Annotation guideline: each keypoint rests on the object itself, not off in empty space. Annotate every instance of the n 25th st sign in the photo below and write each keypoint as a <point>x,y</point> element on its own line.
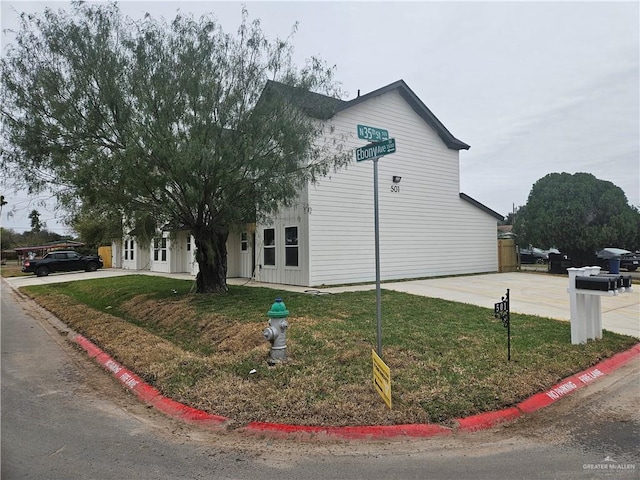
<point>374,150</point>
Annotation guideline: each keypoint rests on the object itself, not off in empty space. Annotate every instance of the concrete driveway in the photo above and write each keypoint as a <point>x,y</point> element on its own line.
<point>534,294</point>
<point>530,293</point>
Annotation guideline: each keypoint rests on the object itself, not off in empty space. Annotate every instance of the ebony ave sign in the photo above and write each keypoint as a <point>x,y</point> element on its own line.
<point>375,150</point>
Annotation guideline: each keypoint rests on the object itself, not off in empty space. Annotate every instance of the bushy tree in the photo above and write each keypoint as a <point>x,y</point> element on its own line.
<point>96,226</point>
<point>8,238</point>
<point>164,121</point>
<point>577,214</point>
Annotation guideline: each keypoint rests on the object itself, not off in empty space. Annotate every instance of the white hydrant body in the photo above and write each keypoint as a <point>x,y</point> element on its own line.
<point>276,332</point>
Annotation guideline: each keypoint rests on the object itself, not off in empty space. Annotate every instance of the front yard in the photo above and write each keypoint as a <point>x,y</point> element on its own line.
<point>447,360</point>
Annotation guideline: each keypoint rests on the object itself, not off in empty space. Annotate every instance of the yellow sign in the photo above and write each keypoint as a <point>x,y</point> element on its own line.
<point>381,378</point>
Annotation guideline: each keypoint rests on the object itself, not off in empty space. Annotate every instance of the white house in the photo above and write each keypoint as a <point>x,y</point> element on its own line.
<point>427,227</point>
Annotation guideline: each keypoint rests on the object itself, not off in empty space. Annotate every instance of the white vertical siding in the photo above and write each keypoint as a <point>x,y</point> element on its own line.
<point>233,255</point>
<point>296,216</point>
<point>140,260</point>
<point>116,254</point>
<point>181,252</point>
<point>425,228</point>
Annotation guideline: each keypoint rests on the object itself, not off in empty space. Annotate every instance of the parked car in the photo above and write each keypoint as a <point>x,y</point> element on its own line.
<point>628,260</point>
<point>62,261</point>
<point>533,255</point>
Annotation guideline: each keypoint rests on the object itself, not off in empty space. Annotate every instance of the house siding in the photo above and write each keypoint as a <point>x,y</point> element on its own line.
<point>424,227</point>
<point>140,260</point>
<point>180,255</point>
<point>238,265</point>
<point>295,216</point>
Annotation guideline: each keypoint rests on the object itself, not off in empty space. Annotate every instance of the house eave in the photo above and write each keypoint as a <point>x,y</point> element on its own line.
<point>418,106</point>
<point>482,207</point>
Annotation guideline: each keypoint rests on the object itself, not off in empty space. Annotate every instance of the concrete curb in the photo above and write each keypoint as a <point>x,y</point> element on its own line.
<point>152,396</point>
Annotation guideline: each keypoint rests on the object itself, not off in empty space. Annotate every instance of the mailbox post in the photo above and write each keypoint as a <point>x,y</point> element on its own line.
<point>586,287</point>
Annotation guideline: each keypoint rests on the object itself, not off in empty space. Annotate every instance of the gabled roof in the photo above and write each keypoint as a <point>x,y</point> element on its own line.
<point>420,108</point>
<point>324,107</point>
<point>315,105</point>
<point>482,207</point>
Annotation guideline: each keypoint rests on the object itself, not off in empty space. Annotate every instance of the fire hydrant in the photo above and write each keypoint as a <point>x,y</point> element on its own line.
<point>276,332</point>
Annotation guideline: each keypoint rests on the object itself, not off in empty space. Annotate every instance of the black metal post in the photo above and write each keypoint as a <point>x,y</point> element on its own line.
<point>502,311</point>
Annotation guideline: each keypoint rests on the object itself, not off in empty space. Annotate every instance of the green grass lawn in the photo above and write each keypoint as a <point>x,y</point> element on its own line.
<point>447,359</point>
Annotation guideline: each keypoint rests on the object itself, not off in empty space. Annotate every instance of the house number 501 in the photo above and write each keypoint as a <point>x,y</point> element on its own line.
<point>395,188</point>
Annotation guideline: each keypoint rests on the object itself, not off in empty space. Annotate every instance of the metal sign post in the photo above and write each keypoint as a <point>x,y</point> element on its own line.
<point>501,311</point>
<point>373,151</point>
<point>377,241</point>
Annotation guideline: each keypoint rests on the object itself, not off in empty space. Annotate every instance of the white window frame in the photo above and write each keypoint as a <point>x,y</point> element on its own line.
<point>295,246</point>
<point>160,249</point>
<point>128,249</point>
<point>271,247</point>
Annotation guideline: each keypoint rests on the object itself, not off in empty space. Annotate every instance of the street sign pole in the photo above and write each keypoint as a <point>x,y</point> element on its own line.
<point>381,145</point>
<point>377,241</point>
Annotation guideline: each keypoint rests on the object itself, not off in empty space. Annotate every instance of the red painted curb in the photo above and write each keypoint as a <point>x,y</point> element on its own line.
<point>487,420</point>
<point>620,359</point>
<point>185,412</point>
<point>144,391</point>
<point>473,423</point>
<point>90,348</point>
<point>577,381</point>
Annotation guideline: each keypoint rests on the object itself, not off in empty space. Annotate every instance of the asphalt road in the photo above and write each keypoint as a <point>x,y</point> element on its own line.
<point>65,418</point>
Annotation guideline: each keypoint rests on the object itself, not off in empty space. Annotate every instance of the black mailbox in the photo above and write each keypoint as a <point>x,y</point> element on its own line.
<point>622,280</point>
<point>597,282</point>
<point>616,278</point>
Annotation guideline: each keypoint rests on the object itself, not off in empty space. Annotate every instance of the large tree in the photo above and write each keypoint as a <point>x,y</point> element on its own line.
<point>577,214</point>
<point>95,226</point>
<point>168,122</point>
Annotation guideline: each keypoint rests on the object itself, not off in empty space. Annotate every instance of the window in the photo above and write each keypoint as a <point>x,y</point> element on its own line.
<point>128,249</point>
<point>160,249</point>
<point>269,246</point>
<point>244,242</point>
<point>188,243</point>
<point>291,246</point>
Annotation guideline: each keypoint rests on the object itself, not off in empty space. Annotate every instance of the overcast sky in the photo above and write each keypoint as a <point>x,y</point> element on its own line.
<point>533,87</point>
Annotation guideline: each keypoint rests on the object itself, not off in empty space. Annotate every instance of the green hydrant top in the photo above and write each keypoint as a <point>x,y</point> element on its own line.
<point>278,309</point>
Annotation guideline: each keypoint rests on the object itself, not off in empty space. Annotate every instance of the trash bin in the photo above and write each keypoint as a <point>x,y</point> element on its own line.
<point>614,265</point>
<point>558,263</point>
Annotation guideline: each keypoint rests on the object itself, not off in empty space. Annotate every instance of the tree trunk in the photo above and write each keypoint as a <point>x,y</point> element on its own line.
<point>211,255</point>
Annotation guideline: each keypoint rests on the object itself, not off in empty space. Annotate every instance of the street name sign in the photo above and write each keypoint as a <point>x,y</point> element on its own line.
<point>374,150</point>
<point>372,133</point>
